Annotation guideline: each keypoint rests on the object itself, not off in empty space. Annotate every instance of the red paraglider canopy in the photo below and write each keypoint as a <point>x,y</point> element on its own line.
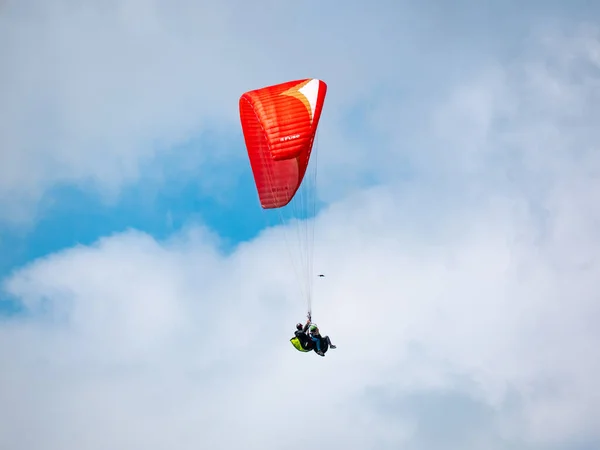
<point>279,124</point>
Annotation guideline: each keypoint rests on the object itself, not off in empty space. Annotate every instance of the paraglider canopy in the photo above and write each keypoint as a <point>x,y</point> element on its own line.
<point>279,124</point>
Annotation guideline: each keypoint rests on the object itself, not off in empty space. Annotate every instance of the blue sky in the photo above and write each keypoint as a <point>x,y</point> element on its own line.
<point>457,226</point>
<point>74,216</point>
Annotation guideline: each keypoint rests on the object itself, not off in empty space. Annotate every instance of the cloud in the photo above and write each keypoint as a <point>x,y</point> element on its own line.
<point>462,300</point>
<point>98,94</point>
<point>150,344</point>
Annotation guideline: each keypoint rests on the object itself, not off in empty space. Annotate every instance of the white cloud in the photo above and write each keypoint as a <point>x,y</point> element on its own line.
<point>94,92</point>
<point>145,343</point>
<point>192,346</point>
<point>470,291</point>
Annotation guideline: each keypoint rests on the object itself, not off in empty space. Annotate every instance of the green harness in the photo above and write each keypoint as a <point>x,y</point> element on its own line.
<point>296,343</point>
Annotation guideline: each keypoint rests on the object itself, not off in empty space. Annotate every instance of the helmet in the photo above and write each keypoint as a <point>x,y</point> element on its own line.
<point>313,328</point>
<point>299,326</point>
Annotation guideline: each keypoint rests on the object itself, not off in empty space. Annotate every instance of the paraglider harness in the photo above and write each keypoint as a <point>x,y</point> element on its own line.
<point>310,344</point>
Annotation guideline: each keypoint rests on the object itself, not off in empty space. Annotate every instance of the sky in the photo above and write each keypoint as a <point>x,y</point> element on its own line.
<point>147,302</point>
